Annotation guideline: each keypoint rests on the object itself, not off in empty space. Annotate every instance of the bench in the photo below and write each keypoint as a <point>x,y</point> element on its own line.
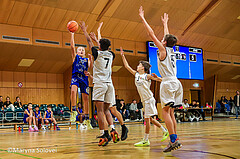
<point>14,124</point>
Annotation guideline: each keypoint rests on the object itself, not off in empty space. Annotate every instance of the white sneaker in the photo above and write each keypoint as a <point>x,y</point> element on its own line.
<point>81,127</point>
<point>191,119</point>
<point>127,120</point>
<point>141,120</point>
<point>197,119</point>
<point>136,119</point>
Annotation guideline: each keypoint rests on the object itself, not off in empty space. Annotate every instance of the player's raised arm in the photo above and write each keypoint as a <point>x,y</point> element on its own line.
<point>90,61</point>
<point>165,23</point>
<point>73,46</point>
<point>162,50</point>
<point>94,38</point>
<point>99,31</point>
<point>126,65</point>
<point>154,77</point>
<point>84,29</point>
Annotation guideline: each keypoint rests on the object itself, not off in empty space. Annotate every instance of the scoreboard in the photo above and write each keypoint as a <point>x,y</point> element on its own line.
<point>189,61</point>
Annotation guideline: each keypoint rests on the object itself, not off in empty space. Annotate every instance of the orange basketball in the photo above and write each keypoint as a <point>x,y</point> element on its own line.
<point>72,26</point>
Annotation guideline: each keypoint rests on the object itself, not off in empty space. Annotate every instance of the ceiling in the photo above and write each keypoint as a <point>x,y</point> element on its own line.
<point>217,31</point>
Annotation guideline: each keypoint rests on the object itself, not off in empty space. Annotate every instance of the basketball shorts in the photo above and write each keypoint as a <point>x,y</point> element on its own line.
<point>171,92</point>
<point>80,84</point>
<point>150,108</point>
<point>104,92</point>
<point>77,117</point>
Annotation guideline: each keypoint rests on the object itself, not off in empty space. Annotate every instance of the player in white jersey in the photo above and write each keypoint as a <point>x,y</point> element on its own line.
<point>112,108</point>
<point>171,92</point>
<point>103,90</point>
<point>143,83</point>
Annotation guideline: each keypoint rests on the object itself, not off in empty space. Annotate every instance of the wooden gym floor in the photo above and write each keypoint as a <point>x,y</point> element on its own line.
<point>216,139</point>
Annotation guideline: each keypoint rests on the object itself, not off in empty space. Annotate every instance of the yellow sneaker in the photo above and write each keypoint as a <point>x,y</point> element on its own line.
<point>88,123</point>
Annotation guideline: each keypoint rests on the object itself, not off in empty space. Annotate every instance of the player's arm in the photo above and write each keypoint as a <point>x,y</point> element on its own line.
<point>51,115</point>
<point>90,61</point>
<point>88,74</point>
<point>45,115</point>
<point>99,31</point>
<point>84,29</point>
<point>94,38</point>
<point>165,23</point>
<point>150,32</point>
<point>73,46</point>
<point>154,77</point>
<point>126,65</point>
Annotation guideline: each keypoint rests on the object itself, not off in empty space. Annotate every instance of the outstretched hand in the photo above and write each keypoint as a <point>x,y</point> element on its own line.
<point>83,25</point>
<point>154,75</point>
<point>121,50</point>
<point>87,73</point>
<point>141,12</point>
<point>164,18</point>
<point>93,36</point>
<point>100,25</point>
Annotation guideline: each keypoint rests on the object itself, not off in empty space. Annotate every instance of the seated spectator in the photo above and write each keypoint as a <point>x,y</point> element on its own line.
<point>185,103</point>
<point>18,103</point>
<point>122,109</point>
<point>140,107</point>
<point>134,110</point>
<point>38,117</point>
<point>1,103</point>
<point>29,118</point>
<point>8,104</point>
<point>231,104</point>
<point>237,103</point>
<point>48,117</point>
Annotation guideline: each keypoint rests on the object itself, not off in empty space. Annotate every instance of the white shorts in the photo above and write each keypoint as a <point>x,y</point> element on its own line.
<point>104,92</point>
<point>171,92</point>
<point>150,107</point>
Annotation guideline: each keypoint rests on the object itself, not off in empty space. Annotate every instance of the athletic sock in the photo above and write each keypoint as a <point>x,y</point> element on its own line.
<point>87,116</point>
<point>112,126</point>
<point>146,136</point>
<point>163,129</point>
<point>123,126</point>
<point>106,133</point>
<point>101,132</point>
<point>173,137</point>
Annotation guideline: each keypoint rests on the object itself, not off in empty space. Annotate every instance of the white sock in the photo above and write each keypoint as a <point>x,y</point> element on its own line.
<point>146,136</point>
<point>35,126</point>
<point>101,132</point>
<point>163,129</point>
<point>112,126</point>
<point>30,126</point>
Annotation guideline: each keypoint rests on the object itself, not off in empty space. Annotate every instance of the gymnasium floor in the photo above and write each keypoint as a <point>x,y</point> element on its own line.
<point>214,140</point>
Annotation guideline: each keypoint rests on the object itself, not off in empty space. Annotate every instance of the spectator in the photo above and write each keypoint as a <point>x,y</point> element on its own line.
<point>117,101</point>
<point>8,104</point>
<point>122,109</point>
<point>237,103</point>
<point>134,110</point>
<point>231,104</point>
<point>18,103</point>
<point>140,107</point>
<point>185,103</point>
<point>1,102</point>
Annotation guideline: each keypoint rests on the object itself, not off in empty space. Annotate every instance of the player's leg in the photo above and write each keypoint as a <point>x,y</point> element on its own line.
<point>85,97</point>
<point>29,121</point>
<point>164,130</point>
<point>145,141</point>
<point>173,120</point>
<point>74,97</point>
<point>109,118</point>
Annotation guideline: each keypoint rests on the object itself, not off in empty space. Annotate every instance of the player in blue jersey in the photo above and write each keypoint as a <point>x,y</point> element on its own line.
<point>79,80</point>
<point>29,118</point>
<point>38,116</point>
<point>48,117</point>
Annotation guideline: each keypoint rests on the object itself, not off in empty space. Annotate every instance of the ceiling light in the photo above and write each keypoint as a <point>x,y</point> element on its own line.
<point>236,77</point>
<point>26,62</point>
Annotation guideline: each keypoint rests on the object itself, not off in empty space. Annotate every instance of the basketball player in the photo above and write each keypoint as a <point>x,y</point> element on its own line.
<point>103,90</point>
<point>112,108</point>
<point>29,118</point>
<point>79,80</point>
<point>143,83</point>
<point>48,117</point>
<point>171,92</point>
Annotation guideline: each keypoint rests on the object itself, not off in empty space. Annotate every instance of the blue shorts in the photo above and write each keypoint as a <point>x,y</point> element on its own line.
<point>24,120</point>
<point>77,119</point>
<point>48,120</point>
<point>80,84</point>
